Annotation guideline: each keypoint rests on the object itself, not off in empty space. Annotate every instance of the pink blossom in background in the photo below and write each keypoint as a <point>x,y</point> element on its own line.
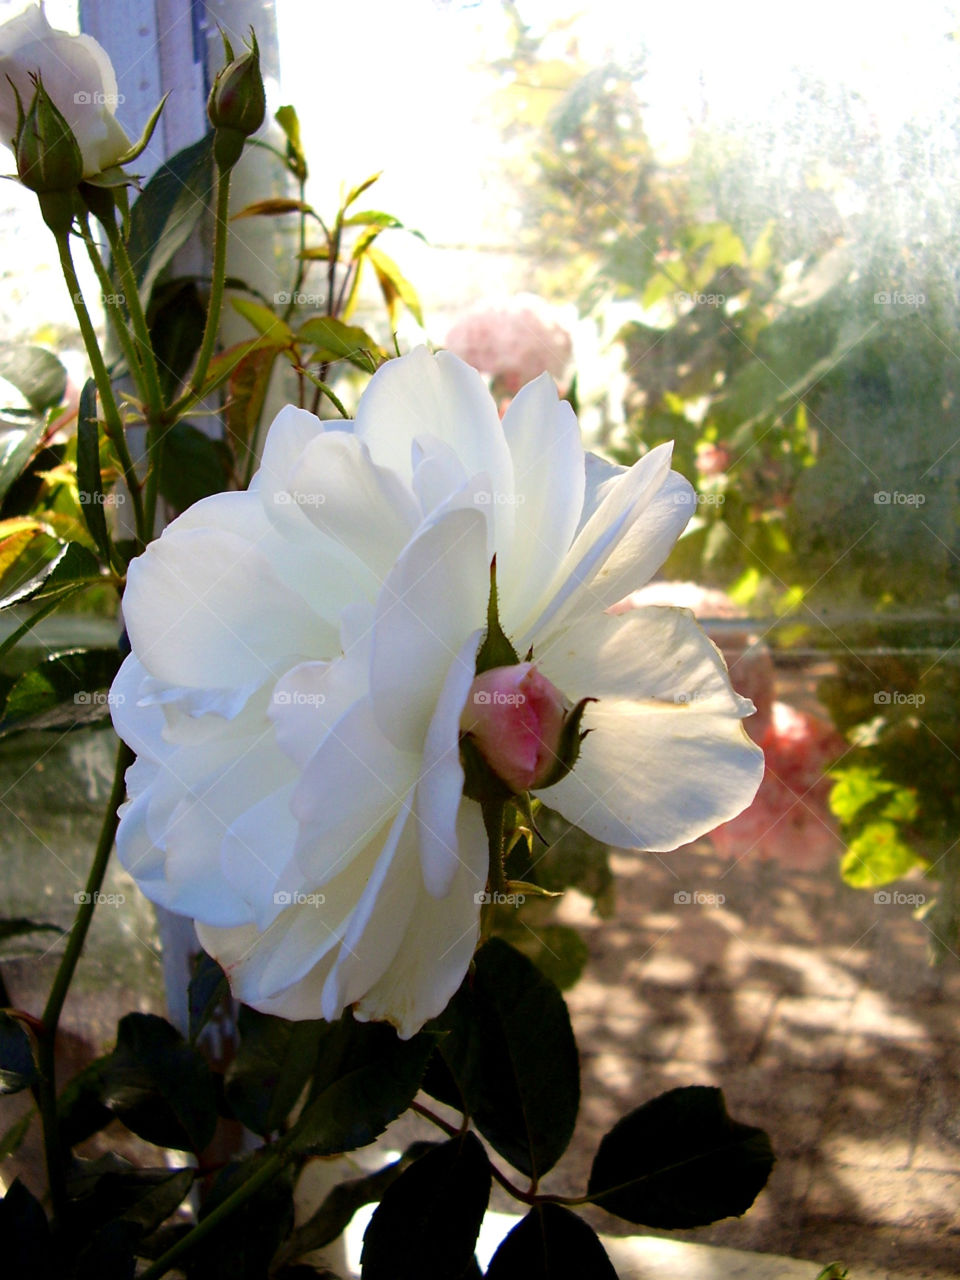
<point>790,819</point>
<point>712,459</point>
<point>513,342</point>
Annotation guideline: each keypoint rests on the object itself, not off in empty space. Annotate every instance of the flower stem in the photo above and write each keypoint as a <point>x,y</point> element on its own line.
<point>114,310</point>
<point>271,1166</point>
<point>152,393</point>
<point>46,1045</point>
<point>111,413</point>
<point>212,323</point>
<point>527,1197</point>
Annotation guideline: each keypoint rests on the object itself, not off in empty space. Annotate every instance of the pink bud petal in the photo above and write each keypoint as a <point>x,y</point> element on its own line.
<point>515,715</point>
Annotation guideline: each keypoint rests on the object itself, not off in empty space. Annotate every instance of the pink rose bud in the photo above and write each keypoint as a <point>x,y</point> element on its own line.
<point>515,717</point>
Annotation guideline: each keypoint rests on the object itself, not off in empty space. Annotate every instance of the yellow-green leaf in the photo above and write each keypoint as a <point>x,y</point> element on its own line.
<point>271,208</point>
<point>395,287</point>
<point>276,331</point>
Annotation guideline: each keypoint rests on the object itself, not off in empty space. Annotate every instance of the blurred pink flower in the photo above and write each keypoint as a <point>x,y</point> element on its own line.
<point>513,342</point>
<point>790,819</point>
<point>712,459</point>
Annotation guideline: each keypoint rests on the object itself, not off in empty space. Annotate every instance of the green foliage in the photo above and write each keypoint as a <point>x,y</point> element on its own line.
<point>426,1225</point>
<point>551,1243</point>
<point>680,1161</point>
<point>508,1011</point>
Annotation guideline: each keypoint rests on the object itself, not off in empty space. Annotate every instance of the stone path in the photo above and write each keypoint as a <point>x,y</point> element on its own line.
<point>815,1010</point>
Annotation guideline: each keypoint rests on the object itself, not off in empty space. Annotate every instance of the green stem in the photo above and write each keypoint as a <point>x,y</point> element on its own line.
<point>152,392</point>
<point>212,323</point>
<point>111,413</point>
<point>114,310</point>
<point>301,261</point>
<point>46,1046</point>
<point>271,1166</point>
<point>527,1197</point>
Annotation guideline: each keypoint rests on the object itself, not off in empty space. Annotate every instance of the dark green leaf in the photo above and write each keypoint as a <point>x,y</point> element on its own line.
<point>511,1050</point>
<point>208,988</point>
<point>17,1067</point>
<point>36,373</point>
<point>80,1110</point>
<point>551,1243</point>
<point>193,466</point>
<point>176,318</point>
<point>275,1059</point>
<point>25,1234</point>
<point>17,447</point>
<point>112,1250</point>
<point>243,1250</point>
<point>64,691</point>
<point>558,950</point>
<point>680,1161</point>
<point>427,1223</point>
<point>339,1206</point>
<point>74,565</point>
<point>89,481</point>
<point>165,214</point>
<point>365,1077</point>
<point>158,1086</point>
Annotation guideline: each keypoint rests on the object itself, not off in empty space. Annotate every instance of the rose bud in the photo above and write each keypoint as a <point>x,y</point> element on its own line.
<point>48,157</point>
<point>515,717</point>
<point>237,103</point>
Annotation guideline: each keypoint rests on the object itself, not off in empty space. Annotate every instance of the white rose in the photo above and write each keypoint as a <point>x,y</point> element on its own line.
<point>78,76</point>
<point>303,654</point>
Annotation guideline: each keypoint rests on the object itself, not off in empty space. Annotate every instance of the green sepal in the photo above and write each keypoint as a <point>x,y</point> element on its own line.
<point>496,650</point>
<point>571,740</point>
<point>144,140</point>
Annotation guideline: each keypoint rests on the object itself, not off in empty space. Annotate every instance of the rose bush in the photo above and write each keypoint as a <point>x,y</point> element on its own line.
<point>76,73</point>
<point>303,654</point>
